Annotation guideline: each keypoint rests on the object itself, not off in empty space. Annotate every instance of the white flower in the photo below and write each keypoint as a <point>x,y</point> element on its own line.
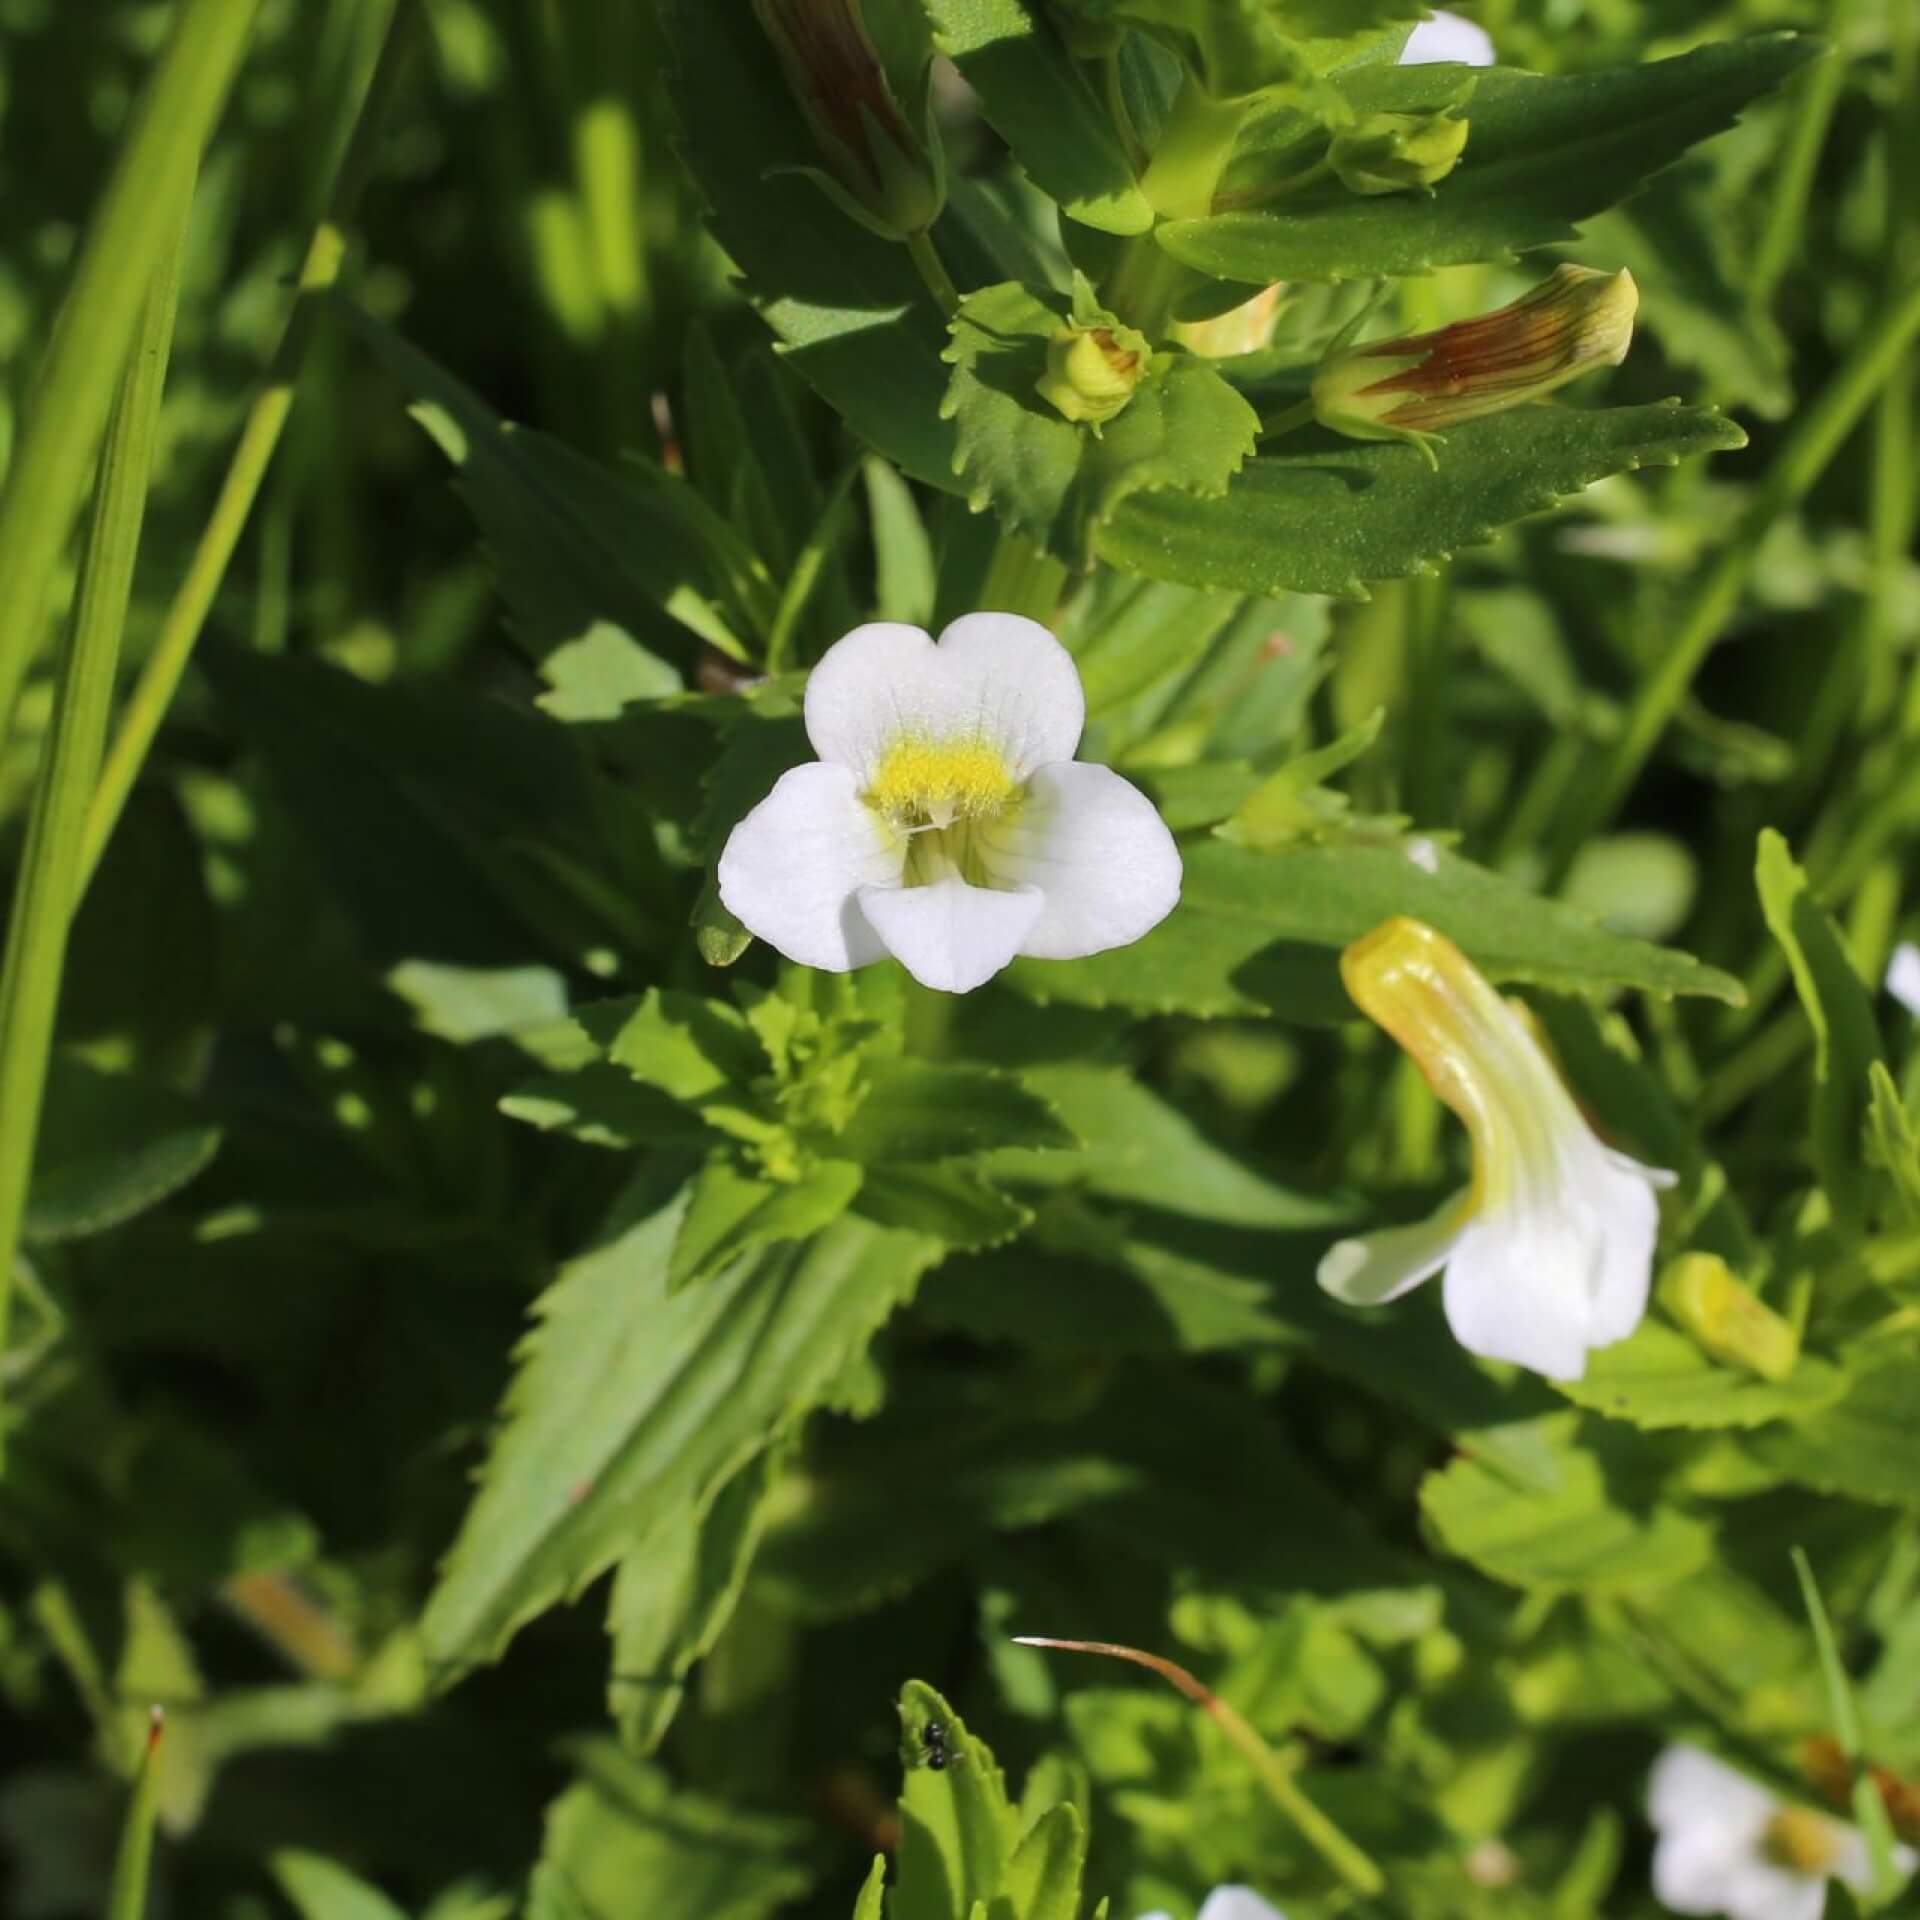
<point>1903,976</point>
<point>1447,37</point>
<point>1232,1903</point>
<point>946,821</point>
<point>1550,1250</point>
<point>1726,1845</point>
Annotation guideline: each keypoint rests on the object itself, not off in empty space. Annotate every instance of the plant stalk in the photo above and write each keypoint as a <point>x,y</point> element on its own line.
<point>1347,1860</point>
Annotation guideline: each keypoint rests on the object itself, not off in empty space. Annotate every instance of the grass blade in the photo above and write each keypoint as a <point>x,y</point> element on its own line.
<point>48,887</point>
<point>74,390</point>
<point>128,1898</point>
<point>259,438</point>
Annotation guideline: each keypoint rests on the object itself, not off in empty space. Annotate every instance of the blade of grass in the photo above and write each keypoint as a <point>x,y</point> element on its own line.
<point>1816,437</point>
<point>259,437</point>
<point>1347,1860</point>
<point>48,888</point>
<point>74,389</point>
<point>1819,89</point>
<point>127,1899</point>
<point>1868,1808</point>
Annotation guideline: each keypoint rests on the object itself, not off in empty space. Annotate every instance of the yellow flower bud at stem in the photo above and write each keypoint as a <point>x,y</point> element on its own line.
<point>1092,371</point>
<point>1574,321</point>
<point>1703,1294</point>
<point>1397,152</point>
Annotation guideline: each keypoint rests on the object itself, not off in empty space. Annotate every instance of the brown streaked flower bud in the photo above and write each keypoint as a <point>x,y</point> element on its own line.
<point>1575,320</point>
<point>884,163</point>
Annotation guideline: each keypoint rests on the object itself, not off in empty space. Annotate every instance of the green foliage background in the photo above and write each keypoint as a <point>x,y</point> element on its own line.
<point>526,1381</point>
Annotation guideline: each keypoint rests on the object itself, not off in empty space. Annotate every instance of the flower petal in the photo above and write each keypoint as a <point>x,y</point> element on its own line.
<point>1623,1196</point>
<point>1448,37</point>
<point>791,869</point>
<point>1238,1903</point>
<point>1691,1788</point>
<point>1097,849</point>
<point>949,935</point>
<point>994,677</point>
<point>1373,1268</point>
<point>1692,1867</point>
<point>1521,1282</point>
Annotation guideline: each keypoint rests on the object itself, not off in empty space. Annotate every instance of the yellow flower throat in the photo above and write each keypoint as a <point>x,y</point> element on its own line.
<point>933,783</point>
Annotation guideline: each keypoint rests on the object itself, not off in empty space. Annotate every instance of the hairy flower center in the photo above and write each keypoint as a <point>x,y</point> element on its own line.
<point>933,783</point>
<point>1800,1841</point>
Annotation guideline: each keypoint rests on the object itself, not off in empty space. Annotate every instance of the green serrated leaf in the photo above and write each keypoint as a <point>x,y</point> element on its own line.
<point>624,1839</point>
<point>1325,515</point>
<point>1659,1378</point>
<point>951,1203</point>
<point>1184,428</point>
<point>1044,1874</point>
<point>917,1110</point>
<point>1039,102</point>
<point>1531,1504</point>
<point>1840,1012</point>
<point>1543,153</point>
<point>631,1401</point>
<point>1865,1443</point>
<point>321,1889</point>
<point>1260,932</point>
<point>109,1147</point>
<point>731,1211</point>
<point>956,1828</point>
<point>673,1596</point>
<point>585,554</point>
<point>871,1904</point>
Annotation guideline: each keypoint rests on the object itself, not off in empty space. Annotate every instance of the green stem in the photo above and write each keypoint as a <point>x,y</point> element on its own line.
<point>49,885</point>
<point>1816,437</point>
<point>1184,174</point>
<point>1347,1860</point>
<point>160,678</point>
<point>1787,208</point>
<point>1300,414</point>
<point>127,1895</point>
<point>74,389</point>
<point>933,271</point>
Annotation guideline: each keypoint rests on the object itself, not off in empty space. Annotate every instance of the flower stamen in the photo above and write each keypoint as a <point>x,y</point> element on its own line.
<point>933,783</point>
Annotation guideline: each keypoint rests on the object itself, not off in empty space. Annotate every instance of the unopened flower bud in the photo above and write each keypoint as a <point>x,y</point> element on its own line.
<point>1702,1293</point>
<point>1575,320</point>
<point>881,167</point>
<point>1092,371</point>
<point>1397,152</point>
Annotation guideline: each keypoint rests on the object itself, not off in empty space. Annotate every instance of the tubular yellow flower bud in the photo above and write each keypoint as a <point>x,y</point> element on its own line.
<point>1575,320</point>
<point>1397,152</point>
<point>1703,1295</point>
<point>881,169</point>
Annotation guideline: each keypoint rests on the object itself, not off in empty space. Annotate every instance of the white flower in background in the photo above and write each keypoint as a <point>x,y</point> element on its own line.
<point>946,821</point>
<point>1549,1251</point>
<point>1726,1845</point>
<point>1447,37</point>
<point>1903,976</point>
<point>1232,1903</point>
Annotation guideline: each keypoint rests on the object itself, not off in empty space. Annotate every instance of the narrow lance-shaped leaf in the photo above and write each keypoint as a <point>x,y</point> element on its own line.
<point>1543,153</point>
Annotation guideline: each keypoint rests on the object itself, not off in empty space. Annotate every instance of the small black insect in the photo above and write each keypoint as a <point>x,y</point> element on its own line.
<point>933,1737</point>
